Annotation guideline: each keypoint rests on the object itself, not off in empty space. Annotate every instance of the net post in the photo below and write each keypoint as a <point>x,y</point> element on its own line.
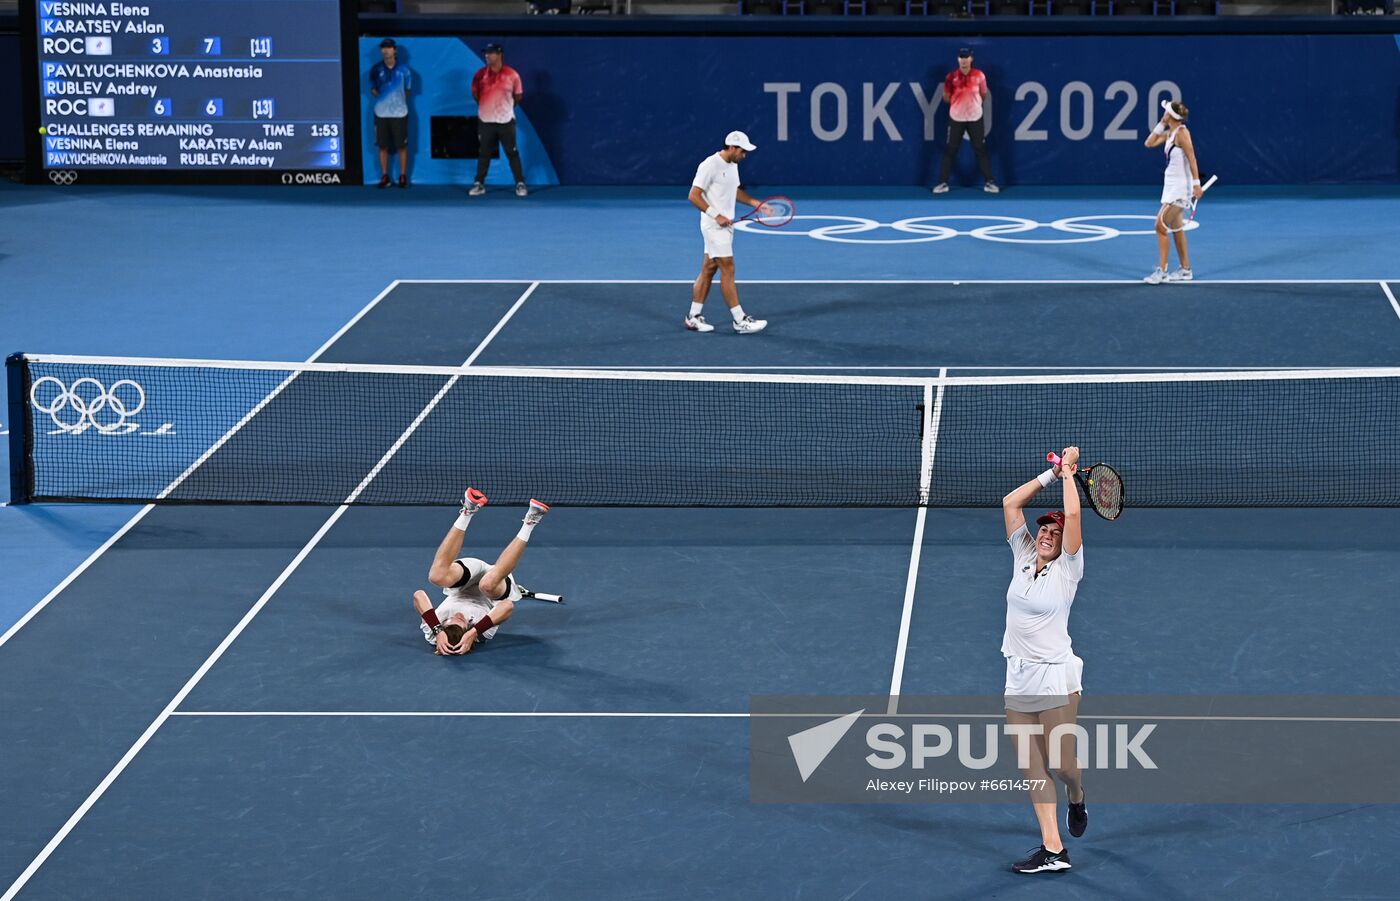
<point>21,472</point>
<point>926,447</point>
<point>933,413</point>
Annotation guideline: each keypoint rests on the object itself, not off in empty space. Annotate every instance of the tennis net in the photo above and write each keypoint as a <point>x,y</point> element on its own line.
<point>204,431</point>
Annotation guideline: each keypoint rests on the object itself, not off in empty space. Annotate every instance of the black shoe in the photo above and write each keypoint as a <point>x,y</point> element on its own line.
<point>403,181</point>
<point>384,181</point>
<point>1042,861</point>
<point>1077,818</point>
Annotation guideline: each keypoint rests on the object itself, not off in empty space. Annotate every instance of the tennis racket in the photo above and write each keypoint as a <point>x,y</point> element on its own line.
<point>540,595</point>
<point>774,212</point>
<point>1188,217</point>
<point>1102,485</point>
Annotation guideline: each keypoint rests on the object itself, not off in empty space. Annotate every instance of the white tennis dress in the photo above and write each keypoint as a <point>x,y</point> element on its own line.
<point>1041,666</point>
<point>1176,180</point>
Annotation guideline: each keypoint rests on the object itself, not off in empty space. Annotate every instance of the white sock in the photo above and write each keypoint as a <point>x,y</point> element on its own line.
<point>695,309</point>
<point>525,530</point>
<point>737,312</point>
<point>463,520</point>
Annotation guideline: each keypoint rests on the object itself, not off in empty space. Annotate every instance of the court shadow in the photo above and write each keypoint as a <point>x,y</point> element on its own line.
<point>515,653</point>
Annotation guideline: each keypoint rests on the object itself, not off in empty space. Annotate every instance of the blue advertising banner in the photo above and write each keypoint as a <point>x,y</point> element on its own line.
<point>636,110</point>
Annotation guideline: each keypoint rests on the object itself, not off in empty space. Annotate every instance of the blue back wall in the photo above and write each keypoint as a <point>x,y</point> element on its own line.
<point>1267,109</point>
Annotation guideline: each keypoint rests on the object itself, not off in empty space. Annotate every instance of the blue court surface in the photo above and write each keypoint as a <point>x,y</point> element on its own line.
<point>236,702</point>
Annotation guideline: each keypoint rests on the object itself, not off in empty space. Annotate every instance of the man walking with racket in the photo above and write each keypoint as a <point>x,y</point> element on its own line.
<point>1181,188</point>
<point>479,596</point>
<point>1042,672</point>
<point>714,192</point>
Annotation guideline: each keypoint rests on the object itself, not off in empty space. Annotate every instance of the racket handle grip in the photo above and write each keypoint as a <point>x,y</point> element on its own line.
<point>1053,458</point>
<point>1209,181</point>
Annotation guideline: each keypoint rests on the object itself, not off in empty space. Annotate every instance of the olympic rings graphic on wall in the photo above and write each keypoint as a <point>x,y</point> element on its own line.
<point>1003,229</point>
<point>88,404</point>
<point>62,176</point>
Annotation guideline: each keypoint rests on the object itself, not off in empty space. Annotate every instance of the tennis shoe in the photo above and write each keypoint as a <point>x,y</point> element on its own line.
<point>991,188</point>
<point>1077,818</point>
<point>1179,275</point>
<point>1158,276</point>
<point>521,190</point>
<point>403,181</point>
<point>698,324</point>
<point>1043,861</point>
<point>941,188</point>
<point>536,512</point>
<point>384,181</point>
<point>477,190</point>
<point>749,325</point>
<point>472,501</point>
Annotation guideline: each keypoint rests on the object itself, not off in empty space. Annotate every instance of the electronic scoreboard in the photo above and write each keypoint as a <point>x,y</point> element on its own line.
<point>182,91</point>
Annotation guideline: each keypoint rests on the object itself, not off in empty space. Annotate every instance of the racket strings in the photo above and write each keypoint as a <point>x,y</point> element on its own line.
<point>1106,491</point>
<point>775,212</point>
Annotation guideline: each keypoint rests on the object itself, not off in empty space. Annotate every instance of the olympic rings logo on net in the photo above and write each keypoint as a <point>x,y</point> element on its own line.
<point>89,404</point>
<point>923,229</point>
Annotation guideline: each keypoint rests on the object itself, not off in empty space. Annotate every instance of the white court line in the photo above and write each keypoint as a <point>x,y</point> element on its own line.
<point>155,725</point>
<point>685,368</point>
<point>933,415</point>
<point>1391,297</point>
<point>78,571</point>
<point>141,514</point>
<point>218,652</point>
<point>658,714</point>
<point>437,398</point>
<point>888,281</point>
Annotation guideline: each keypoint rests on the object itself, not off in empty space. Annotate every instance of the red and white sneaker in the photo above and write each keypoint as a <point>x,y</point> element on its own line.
<point>536,512</point>
<point>472,501</point>
<point>698,324</point>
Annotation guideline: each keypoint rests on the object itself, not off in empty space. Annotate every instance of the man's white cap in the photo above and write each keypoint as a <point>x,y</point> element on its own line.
<point>1167,108</point>
<point>738,139</point>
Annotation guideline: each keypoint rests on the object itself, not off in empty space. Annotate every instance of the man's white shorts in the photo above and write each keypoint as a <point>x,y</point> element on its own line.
<point>719,242</point>
<point>1032,687</point>
<point>472,608</point>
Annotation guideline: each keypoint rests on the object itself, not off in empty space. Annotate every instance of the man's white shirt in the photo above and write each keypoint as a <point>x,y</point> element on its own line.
<point>719,180</point>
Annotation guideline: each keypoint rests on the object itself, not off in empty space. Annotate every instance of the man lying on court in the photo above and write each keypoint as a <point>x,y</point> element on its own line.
<point>479,596</point>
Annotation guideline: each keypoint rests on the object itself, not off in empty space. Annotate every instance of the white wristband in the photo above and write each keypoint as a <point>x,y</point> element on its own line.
<point>1160,129</point>
<point>710,211</point>
<point>1046,478</point>
<point>1195,181</point>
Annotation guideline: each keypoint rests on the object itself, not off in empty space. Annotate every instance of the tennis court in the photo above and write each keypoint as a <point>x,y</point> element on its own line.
<point>248,710</point>
<point>279,281</point>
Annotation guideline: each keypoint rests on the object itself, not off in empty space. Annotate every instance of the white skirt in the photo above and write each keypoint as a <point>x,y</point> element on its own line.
<point>1032,687</point>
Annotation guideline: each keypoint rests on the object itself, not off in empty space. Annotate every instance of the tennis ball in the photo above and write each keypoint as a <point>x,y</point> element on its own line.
<point>43,130</point>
